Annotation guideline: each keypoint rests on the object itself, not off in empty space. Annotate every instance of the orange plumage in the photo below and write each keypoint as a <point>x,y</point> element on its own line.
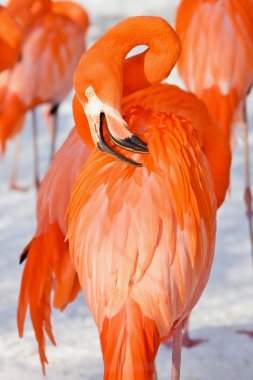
<point>10,40</point>
<point>217,64</point>
<point>154,229</point>
<point>142,238</point>
<point>47,254</point>
<point>217,54</point>
<point>52,47</point>
<point>136,234</point>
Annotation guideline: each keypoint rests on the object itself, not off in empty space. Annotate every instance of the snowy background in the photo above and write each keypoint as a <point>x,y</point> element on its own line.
<point>226,306</point>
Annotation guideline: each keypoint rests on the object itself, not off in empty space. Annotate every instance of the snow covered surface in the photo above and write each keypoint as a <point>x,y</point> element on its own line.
<point>227,303</point>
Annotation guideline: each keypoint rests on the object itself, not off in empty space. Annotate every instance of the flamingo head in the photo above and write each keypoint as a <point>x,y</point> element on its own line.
<point>102,116</point>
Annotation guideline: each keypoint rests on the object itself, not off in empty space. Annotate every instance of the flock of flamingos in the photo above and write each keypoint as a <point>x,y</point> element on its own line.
<point>127,209</point>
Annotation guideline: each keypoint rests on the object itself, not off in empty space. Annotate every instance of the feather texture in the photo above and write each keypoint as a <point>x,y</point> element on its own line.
<point>136,236</point>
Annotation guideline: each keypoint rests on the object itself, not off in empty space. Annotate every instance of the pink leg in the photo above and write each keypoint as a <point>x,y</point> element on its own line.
<point>35,151</point>
<point>54,116</point>
<point>186,340</point>
<point>176,353</point>
<point>246,332</point>
<point>190,343</point>
<point>13,178</point>
<point>247,192</point>
<point>247,195</point>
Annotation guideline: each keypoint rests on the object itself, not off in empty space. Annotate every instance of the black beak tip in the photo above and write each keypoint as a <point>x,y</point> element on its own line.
<point>23,257</point>
<point>136,144</point>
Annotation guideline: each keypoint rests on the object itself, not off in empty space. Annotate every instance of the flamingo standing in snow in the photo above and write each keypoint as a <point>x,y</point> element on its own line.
<point>51,50</point>
<point>10,40</point>
<point>168,250</point>
<point>47,255</point>
<point>216,63</point>
<point>141,235</point>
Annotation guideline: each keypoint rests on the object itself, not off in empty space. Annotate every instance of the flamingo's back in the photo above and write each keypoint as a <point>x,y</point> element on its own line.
<point>168,98</point>
<point>216,61</point>
<point>155,231</point>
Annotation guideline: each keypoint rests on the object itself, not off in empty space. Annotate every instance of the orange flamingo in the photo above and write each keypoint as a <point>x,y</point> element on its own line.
<point>154,221</point>
<point>160,98</point>
<point>223,87</point>
<point>217,64</point>
<point>10,40</point>
<point>51,50</point>
<point>48,244</point>
<point>47,255</point>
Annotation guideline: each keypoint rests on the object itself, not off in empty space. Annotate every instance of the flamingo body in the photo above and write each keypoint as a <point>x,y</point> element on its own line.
<point>52,207</point>
<point>141,268</point>
<point>155,229</point>
<point>217,54</point>
<point>50,53</point>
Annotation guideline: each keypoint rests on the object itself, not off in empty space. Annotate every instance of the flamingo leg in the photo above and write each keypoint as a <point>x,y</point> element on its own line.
<point>176,353</point>
<point>247,195</point>
<point>54,116</point>
<point>14,171</point>
<point>187,341</point>
<point>35,150</point>
<point>247,191</point>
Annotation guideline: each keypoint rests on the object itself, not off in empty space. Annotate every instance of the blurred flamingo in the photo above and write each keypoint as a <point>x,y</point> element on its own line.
<point>216,63</point>
<point>10,40</point>
<point>51,50</point>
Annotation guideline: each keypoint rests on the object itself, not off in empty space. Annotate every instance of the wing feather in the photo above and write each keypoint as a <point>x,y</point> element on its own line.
<point>142,236</point>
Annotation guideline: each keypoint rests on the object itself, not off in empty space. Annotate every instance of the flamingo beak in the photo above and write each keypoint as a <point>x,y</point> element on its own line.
<point>103,117</point>
<point>131,143</point>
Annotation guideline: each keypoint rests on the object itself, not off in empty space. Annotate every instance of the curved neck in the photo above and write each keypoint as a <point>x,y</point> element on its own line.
<point>106,68</point>
<point>154,64</point>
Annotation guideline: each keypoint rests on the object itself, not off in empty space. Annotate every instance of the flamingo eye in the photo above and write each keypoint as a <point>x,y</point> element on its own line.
<point>89,92</point>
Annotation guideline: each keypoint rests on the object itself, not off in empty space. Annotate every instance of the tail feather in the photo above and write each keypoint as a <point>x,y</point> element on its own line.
<point>67,287</point>
<point>129,343</point>
<point>48,261</point>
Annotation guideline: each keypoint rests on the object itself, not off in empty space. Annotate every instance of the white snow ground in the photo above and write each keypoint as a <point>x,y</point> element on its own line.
<point>227,303</point>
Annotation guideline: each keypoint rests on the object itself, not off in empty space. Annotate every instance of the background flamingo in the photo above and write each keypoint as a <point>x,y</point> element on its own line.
<point>217,64</point>
<point>56,41</point>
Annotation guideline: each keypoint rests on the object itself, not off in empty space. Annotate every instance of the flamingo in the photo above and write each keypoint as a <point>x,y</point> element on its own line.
<point>162,105</point>
<point>47,255</point>
<point>10,40</point>
<point>51,50</point>
<point>217,64</point>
